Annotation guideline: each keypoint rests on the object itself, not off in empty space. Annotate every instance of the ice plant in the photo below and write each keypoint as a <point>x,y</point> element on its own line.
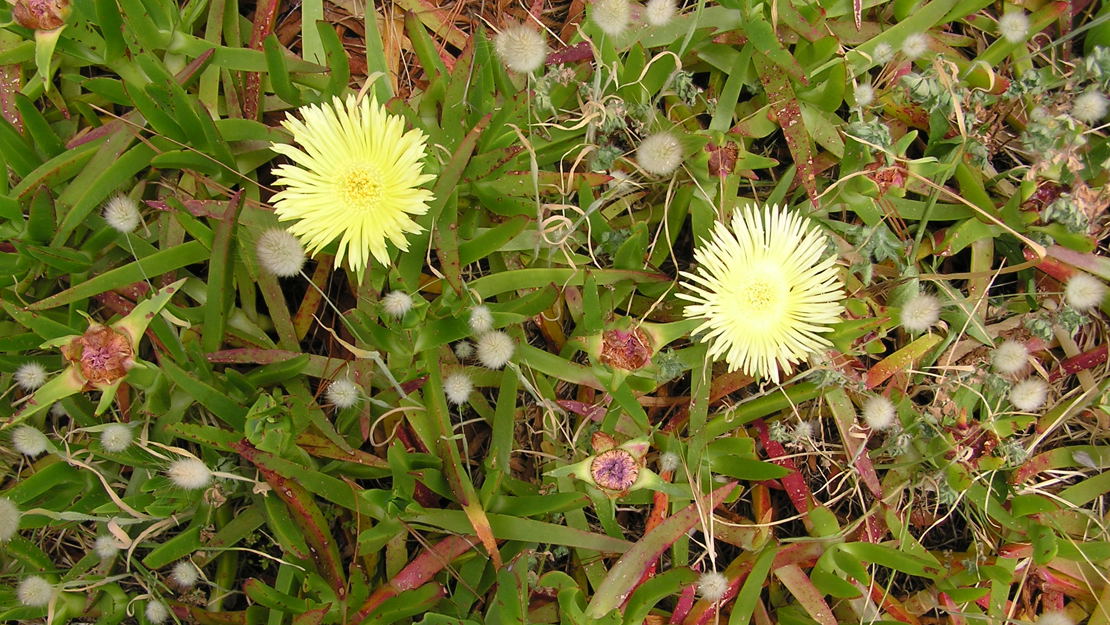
<point>100,358</point>
<point>616,470</point>
<point>356,177</point>
<point>766,290</point>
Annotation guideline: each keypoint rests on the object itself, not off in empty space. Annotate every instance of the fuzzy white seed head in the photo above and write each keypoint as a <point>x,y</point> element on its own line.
<point>116,437</point>
<point>396,303</point>
<point>457,387</point>
<point>878,412</point>
<point>865,95</point>
<point>1090,107</point>
<point>659,12</point>
<point>660,154</point>
<point>1084,292</point>
<point>611,16</point>
<point>495,349</point>
<point>464,350</point>
<point>106,546</point>
<point>712,586</point>
<point>915,45</point>
<point>343,393</point>
<point>9,519</point>
<point>29,376</point>
<point>1029,394</point>
<point>920,313</point>
<point>122,214</point>
<point>29,441</point>
<point>1056,617</point>
<point>883,53</point>
<point>189,473</point>
<point>58,410</point>
<point>156,612</point>
<point>184,574</point>
<point>280,253</point>
<point>35,592</point>
<point>1010,357</point>
<point>803,430</point>
<point>1014,27</point>
<point>520,48</point>
<point>481,319</point>
<point>668,461</point>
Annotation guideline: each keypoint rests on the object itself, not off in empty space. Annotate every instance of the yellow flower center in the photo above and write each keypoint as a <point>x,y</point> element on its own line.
<point>361,186</point>
<point>760,299</point>
<point>758,295</point>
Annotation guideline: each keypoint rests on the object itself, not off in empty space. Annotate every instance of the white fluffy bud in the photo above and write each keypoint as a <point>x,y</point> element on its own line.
<point>9,519</point>
<point>611,16</point>
<point>920,313</point>
<point>520,48</point>
<point>712,586</point>
<point>878,412</point>
<point>660,154</point>
<point>122,213</point>
<point>106,546</point>
<point>29,441</point>
<point>184,574</point>
<point>1010,357</point>
<point>29,376</point>
<point>915,45</point>
<point>156,612</point>
<point>189,473</point>
<point>1014,26</point>
<point>659,12</point>
<point>35,592</point>
<point>1029,394</point>
<point>1084,292</point>
<point>116,437</point>
<point>458,387</point>
<point>495,349</point>
<point>1089,107</point>
<point>280,253</point>
<point>396,303</point>
<point>343,393</point>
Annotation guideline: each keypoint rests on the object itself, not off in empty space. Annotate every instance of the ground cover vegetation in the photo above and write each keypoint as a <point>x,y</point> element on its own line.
<point>554,312</point>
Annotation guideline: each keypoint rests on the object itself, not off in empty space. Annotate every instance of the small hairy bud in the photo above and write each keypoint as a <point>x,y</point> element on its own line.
<point>156,612</point>
<point>1010,357</point>
<point>116,437</point>
<point>659,154</point>
<point>1029,394</point>
<point>1084,292</point>
<point>481,319</point>
<point>1014,26</point>
<point>9,519</point>
<point>1056,617</point>
<point>184,574</point>
<point>920,313</point>
<point>865,94</point>
<point>106,546</point>
<point>915,45</point>
<point>29,441</point>
<point>878,412</point>
<point>712,586</point>
<point>668,461</point>
<point>464,350</point>
<point>1089,107</point>
<point>659,12</point>
<point>122,213</point>
<point>458,387</point>
<point>35,592</point>
<point>495,349</point>
<point>611,16</point>
<point>29,376</point>
<point>883,53</point>
<point>280,253</point>
<point>520,48</point>
<point>189,473</point>
<point>343,393</point>
<point>396,303</point>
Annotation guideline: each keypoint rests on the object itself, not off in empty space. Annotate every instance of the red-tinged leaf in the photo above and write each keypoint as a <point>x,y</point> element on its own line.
<point>323,448</point>
<point>1091,263</point>
<point>265,12</point>
<point>845,414</point>
<point>419,571</point>
<point>892,606</point>
<point>10,84</point>
<point>788,114</point>
<point>252,356</point>
<point>305,513</point>
<point>314,616</point>
<point>685,602</point>
<point>200,616</point>
<point>627,572</point>
<point>1051,266</point>
<point>578,52</point>
<point>813,600</point>
<point>901,360</point>
<point>582,409</point>
<point>794,484</point>
<point>1081,362</point>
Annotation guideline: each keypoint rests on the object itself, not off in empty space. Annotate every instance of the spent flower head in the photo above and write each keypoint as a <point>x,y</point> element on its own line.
<point>356,178</point>
<point>765,289</point>
<point>184,574</point>
<point>156,612</point>
<point>280,253</point>
<point>106,546</point>
<point>481,319</point>
<point>1055,617</point>
<point>883,53</point>
<point>520,48</point>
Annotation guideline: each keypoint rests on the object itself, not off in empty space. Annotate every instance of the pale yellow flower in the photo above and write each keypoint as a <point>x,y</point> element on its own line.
<point>767,290</point>
<point>356,177</point>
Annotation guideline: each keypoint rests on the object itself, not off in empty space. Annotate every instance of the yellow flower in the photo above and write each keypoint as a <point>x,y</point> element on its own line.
<point>766,290</point>
<point>356,177</point>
